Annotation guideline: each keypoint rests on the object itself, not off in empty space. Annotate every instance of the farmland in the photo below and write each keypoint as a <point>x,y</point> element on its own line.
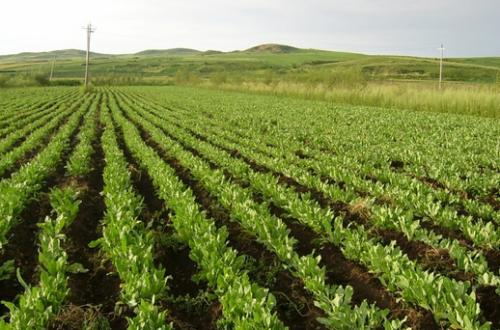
<point>471,85</point>
<point>189,208</point>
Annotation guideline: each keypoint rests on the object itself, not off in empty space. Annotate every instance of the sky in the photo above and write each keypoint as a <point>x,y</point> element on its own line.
<point>406,27</point>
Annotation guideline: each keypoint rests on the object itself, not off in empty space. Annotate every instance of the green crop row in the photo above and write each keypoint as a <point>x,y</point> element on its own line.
<point>80,159</point>
<point>38,304</point>
<point>127,241</point>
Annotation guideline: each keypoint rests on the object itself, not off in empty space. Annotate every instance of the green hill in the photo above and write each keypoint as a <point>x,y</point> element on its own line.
<point>262,63</point>
<point>272,48</point>
<point>172,51</point>
<point>40,56</point>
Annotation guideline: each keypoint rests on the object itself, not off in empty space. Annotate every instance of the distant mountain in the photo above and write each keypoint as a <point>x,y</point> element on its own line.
<point>171,51</point>
<point>272,48</point>
<point>60,54</point>
<point>254,62</point>
<point>77,53</point>
<point>212,52</point>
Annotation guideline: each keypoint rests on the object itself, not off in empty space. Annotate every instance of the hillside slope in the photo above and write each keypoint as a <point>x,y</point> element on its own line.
<point>260,63</point>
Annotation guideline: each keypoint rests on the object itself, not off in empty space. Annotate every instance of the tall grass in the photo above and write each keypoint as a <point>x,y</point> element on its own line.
<point>470,99</point>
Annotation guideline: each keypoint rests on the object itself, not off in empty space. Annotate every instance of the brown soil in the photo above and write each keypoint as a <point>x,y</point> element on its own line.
<point>301,154</point>
<point>430,258</point>
<point>396,164</point>
<point>490,304</point>
<point>366,286</point>
<point>494,201</point>
<point>493,258</point>
<point>23,249</point>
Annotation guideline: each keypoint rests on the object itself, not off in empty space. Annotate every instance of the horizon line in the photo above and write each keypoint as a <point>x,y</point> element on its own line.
<point>242,50</point>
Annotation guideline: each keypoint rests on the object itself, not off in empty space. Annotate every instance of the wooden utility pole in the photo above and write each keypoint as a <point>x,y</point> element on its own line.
<point>441,66</point>
<point>52,68</point>
<point>87,59</point>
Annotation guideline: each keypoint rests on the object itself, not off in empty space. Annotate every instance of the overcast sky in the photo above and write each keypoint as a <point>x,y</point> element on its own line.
<point>411,27</point>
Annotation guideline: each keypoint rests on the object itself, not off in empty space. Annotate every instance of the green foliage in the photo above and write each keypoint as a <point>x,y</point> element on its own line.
<point>89,89</point>
<point>219,78</point>
<point>478,100</point>
<point>185,76</point>
<point>65,82</point>
<point>41,79</point>
<point>4,80</point>
<point>23,79</point>
<point>6,270</point>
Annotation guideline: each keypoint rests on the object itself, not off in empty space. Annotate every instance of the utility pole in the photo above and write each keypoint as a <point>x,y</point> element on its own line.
<point>52,68</point>
<point>90,30</point>
<point>441,66</point>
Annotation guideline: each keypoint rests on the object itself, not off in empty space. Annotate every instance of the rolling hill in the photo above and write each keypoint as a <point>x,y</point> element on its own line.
<point>40,56</point>
<point>267,62</point>
<point>272,48</point>
<point>168,52</point>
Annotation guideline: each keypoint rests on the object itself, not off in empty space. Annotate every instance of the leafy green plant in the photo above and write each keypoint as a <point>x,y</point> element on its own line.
<point>127,241</point>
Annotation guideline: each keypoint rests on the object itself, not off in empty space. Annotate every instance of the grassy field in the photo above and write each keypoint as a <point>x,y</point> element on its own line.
<point>478,100</point>
<point>255,63</point>
<point>471,85</point>
<point>165,207</point>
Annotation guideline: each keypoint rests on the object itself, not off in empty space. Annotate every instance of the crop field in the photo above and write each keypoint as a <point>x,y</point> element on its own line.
<point>187,208</point>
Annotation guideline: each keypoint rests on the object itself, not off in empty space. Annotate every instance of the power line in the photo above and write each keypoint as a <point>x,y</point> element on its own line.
<point>90,30</point>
